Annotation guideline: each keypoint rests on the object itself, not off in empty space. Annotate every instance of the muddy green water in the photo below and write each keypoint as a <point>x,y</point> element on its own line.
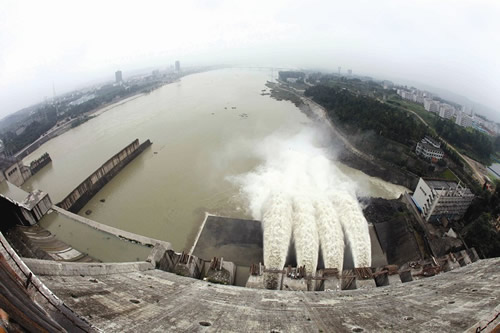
<point>202,129</point>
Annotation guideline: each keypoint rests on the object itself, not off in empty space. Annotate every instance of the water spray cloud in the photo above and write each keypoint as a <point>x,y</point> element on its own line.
<point>298,191</point>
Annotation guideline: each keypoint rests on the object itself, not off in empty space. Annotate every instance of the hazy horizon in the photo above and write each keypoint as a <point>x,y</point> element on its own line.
<point>449,45</point>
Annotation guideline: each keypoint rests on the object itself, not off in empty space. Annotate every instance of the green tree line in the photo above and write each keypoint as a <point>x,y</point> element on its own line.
<point>365,113</point>
<point>478,144</point>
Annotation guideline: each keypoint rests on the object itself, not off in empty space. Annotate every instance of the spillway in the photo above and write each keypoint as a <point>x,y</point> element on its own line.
<point>355,227</point>
<point>305,234</point>
<point>331,235</point>
<point>277,233</point>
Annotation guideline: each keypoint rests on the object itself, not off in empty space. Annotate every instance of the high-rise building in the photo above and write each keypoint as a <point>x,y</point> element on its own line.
<point>339,69</point>
<point>177,66</point>
<point>349,72</point>
<point>118,76</point>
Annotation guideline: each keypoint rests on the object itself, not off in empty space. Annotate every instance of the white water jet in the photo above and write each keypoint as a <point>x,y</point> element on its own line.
<point>277,231</point>
<point>305,234</point>
<point>331,235</point>
<point>296,175</point>
<point>355,227</point>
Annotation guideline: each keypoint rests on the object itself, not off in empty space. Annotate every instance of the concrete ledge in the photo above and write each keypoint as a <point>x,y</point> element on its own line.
<point>48,267</point>
<point>113,231</point>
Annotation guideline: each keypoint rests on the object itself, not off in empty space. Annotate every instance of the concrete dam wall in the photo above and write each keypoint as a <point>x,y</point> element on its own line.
<point>77,199</point>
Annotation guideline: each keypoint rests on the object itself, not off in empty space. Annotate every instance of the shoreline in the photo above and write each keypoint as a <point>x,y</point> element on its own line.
<point>350,156</point>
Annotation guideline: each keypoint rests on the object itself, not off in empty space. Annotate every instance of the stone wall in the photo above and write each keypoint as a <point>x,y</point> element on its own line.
<point>97,180</point>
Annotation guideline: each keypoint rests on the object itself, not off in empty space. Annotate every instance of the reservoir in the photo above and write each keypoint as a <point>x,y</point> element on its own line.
<point>204,129</point>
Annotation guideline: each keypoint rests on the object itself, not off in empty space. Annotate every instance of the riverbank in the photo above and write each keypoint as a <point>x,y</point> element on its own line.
<point>62,128</point>
<point>350,155</point>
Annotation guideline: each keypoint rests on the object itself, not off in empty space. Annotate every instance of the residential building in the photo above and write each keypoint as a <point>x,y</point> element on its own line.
<point>436,198</point>
<point>118,76</point>
<point>177,66</point>
<point>446,111</point>
<point>431,105</point>
<point>463,119</point>
<point>430,149</point>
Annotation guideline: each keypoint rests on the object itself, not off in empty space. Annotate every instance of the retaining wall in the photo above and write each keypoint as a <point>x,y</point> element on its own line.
<point>97,180</point>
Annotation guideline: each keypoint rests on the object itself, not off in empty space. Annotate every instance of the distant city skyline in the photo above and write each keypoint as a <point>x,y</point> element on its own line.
<point>450,45</point>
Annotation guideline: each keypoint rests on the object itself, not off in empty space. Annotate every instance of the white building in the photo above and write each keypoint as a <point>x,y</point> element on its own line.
<point>441,198</point>
<point>463,119</point>
<point>446,111</point>
<point>431,106</point>
<point>430,149</point>
<point>13,170</point>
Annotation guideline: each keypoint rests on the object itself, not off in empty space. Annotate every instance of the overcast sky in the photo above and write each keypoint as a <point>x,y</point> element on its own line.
<point>454,45</point>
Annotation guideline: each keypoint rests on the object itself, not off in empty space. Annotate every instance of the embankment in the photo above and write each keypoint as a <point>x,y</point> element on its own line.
<point>97,180</point>
<point>351,155</point>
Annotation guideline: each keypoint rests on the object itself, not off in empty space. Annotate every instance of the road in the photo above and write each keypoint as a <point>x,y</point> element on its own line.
<point>321,113</point>
<point>473,165</point>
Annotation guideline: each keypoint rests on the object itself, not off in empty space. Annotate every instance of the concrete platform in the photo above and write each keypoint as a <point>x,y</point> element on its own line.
<point>157,301</point>
<point>235,240</point>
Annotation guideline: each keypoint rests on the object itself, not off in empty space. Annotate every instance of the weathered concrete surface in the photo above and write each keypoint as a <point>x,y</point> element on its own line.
<point>48,267</point>
<point>235,240</point>
<point>154,300</point>
<point>31,306</point>
<point>77,199</point>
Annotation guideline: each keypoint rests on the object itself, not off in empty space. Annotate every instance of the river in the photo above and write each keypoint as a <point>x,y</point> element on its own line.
<point>202,128</point>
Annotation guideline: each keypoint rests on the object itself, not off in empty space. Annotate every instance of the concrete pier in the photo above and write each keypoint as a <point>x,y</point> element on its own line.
<point>77,199</point>
<point>330,280</point>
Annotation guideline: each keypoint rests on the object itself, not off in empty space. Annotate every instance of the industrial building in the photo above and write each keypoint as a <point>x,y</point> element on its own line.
<point>13,170</point>
<point>436,198</point>
<point>22,207</point>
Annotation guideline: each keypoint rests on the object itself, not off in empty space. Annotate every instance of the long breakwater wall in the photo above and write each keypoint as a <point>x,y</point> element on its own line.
<point>97,180</point>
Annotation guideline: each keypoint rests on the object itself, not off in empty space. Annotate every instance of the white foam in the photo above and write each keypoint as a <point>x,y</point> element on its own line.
<point>296,173</point>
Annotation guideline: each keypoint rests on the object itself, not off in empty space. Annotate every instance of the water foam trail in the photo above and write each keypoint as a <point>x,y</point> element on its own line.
<point>305,234</point>
<point>331,235</point>
<point>277,231</point>
<point>355,227</point>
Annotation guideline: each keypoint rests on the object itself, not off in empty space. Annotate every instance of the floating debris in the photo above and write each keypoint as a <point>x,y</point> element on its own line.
<point>244,115</point>
<point>88,212</point>
<point>234,107</point>
<point>102,200</point>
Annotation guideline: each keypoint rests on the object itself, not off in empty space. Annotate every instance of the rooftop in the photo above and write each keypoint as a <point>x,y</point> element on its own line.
<point>12,192</point>
<point>430,147</point>
<point>446,185</point>
<point>20,196</point>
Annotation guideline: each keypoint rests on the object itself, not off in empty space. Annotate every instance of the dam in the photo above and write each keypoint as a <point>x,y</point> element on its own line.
<point>202,149</point>
<point>156,205</point>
